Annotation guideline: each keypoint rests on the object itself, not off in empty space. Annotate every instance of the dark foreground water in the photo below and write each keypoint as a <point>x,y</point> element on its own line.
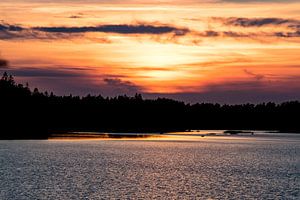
<point>240,167</point>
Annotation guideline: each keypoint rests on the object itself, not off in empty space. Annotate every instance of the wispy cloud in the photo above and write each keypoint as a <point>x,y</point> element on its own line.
<point>52,78</point>
<point>75,17</point>
<point>45,72</point>
<point>255,75</point>
<point>287,34</point>
<point>290,27</point>
<point>259,22</point>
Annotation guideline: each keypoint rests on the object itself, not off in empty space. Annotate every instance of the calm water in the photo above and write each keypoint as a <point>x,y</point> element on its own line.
<point>259,167</point>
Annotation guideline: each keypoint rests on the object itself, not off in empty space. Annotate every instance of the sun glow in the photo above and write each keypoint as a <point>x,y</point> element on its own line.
<point>140,46</point>
<point>160,55</point>
<point>164,75</point>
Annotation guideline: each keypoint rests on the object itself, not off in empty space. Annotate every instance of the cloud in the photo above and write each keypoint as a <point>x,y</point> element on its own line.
<point>45,72</point>
<point>293,24</point>
<point>209,33</point>
<point>8,31</point>
<point>256,76</point>
<point>212,33</point>
<point>77,81</point>
<point>158,32</point>
<point>122,87</point>
<point>75,17</point>
<point>14,32</point>
<point>287,34</point>
<point>250,35</point>
<point>257,22</point>
<point>120,29</point>
<point>8,27</point>
<point>290,28</point>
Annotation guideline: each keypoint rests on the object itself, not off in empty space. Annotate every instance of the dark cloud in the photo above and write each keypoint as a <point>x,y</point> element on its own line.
<point>10,32</point>
<point>256,76</point>
<point>75,17</point>
<point>77,81</point>
<point>237,34</point>
<point>13,32</point>
<point>8,27</point>
<point>258,22</point>
<point>287,34</point>
<point>122,87</point>
<point>293,24</point>
<point>212,33</point>
<point>31,72</point>
<point>209,33</point>
<point>120,29</point>
<point>252,35</point>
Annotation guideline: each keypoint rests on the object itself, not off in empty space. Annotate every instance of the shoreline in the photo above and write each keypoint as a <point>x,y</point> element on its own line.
<point>77,135</point>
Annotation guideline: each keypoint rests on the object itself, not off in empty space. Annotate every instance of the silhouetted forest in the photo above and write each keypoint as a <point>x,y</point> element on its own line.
<point>33,114</point>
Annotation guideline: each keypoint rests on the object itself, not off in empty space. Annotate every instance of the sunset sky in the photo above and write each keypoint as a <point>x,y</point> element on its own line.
<point>226,51</point>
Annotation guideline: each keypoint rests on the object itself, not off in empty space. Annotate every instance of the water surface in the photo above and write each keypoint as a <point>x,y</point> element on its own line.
<point>260,167</point>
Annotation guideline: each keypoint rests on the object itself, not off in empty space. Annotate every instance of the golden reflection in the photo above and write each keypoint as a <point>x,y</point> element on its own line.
<point>171,136</point>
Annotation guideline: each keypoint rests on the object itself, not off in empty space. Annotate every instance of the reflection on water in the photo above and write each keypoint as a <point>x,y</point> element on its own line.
<point>102,136</point>
<point>187,135</point>
<point>217,167</point>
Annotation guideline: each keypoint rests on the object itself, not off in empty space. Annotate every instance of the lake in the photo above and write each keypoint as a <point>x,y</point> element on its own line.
<point>263,166</point>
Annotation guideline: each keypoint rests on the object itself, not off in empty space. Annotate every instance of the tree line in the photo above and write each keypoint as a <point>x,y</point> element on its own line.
<point>33,114</point>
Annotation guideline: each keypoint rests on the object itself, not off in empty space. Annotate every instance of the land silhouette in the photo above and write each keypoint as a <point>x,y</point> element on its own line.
<point>27,114</point>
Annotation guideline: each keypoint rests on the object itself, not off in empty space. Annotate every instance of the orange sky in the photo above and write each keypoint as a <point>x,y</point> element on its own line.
<point>172,48</point>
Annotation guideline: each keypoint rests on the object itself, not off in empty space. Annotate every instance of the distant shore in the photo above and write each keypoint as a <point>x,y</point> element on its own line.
<point>198,133</point>
<point>141,135</point>
<point>28,114</point>
<point>95,135</point>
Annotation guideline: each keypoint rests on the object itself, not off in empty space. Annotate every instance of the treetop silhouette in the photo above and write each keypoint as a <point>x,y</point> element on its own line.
<point>34,114</point>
